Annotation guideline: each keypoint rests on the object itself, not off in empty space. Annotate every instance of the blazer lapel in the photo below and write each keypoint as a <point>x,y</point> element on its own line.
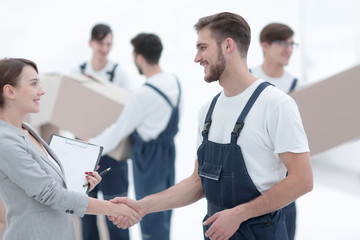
<point>48,149</point>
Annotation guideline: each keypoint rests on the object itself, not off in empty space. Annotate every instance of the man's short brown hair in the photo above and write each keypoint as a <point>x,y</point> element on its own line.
<point>275,31</point>
<point>227,25</point>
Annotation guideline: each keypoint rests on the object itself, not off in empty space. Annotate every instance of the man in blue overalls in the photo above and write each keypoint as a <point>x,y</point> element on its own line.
<point>151,118</point>
<point>115,183</point>
<point>250,135</point>
<point>277,43</point>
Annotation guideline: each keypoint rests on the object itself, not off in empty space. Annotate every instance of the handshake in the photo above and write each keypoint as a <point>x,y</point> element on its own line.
<point>128,212</point>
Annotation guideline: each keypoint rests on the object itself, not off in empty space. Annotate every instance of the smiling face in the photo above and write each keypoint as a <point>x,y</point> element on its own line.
<point>28,92</point>
<point>101,48</point>
<point>210,56</point>
<point>278,53</point>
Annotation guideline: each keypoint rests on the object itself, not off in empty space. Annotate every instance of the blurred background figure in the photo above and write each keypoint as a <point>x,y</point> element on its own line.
<point>277,44</point>
<point>151,118</point>
<point>115,183</point>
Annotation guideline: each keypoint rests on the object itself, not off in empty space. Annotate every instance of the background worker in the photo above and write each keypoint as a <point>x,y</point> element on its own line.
<point>151,117</point>
<point>277,43</point>
<point>115,183</point>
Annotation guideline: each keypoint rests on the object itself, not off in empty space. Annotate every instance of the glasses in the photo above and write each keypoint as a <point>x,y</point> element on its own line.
<point>285,44</point>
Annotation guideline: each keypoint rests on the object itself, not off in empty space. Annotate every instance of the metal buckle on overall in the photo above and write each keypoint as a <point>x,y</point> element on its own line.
<point>237,128</point>
<point>207,126</point>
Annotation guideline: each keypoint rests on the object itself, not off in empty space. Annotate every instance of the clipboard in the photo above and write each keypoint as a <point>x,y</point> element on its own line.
<point>76,157</point>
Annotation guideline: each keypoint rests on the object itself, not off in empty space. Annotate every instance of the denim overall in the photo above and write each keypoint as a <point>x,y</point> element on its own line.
<point>113,184</point>
<point>290,210</point>
<point>293,85</point>
<point>154,170</point>
<point>227,184</point>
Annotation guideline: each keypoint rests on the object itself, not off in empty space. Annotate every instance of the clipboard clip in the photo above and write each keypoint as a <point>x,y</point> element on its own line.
<point>76,143</point>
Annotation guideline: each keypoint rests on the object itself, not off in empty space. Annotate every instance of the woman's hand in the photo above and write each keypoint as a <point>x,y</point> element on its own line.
<point>129,216</point>
<point>120,221</point>
<point>93,178</point>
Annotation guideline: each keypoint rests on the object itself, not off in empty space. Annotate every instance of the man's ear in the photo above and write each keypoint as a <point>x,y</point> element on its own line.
<point>265,46</point>
<point>229,45</point>
<point>8,91</point>
<point>140,58</point>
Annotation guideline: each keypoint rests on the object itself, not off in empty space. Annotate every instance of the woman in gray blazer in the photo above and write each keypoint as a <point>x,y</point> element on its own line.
<point>32,182</point>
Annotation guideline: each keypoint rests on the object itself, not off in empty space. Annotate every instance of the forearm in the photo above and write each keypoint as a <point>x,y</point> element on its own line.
<point>275,198</point>
<point>184,193</point>
<point>297,183</point>
<point>99,207</point>
<point>108,139</point>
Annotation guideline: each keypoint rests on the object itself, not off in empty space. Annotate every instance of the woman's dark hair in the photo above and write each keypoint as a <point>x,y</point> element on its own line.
<point>10,71</point>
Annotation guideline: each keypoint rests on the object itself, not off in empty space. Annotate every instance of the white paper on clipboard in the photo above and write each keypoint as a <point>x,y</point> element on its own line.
<point>77,157</point>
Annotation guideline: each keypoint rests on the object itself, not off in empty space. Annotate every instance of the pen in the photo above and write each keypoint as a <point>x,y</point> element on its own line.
<point>101,174</point>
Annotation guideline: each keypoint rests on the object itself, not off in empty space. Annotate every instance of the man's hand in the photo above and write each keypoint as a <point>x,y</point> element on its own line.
<point>224,224</point>
<point>122,221</point>
<point>129,217</point>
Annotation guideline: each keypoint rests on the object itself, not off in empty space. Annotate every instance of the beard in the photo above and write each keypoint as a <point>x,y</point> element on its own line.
<point>139,69</point>
<point>217,69</point>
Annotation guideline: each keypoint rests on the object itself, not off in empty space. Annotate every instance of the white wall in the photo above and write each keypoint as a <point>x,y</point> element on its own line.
<point>330,36</point>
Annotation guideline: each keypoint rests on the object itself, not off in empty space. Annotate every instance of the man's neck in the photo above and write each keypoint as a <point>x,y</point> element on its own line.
<point>98,64</point>
<point>236,81</point>
<point>151,70</point>
<point>272,69</point>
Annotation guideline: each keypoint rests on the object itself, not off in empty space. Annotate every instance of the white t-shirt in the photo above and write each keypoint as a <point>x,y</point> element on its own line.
<point>284,82</point>
<point>120,78</point>
<point>147,112</point>
<point>272,126</point>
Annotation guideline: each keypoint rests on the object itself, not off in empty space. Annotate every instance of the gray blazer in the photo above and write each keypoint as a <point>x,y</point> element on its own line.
<point>38,205</point>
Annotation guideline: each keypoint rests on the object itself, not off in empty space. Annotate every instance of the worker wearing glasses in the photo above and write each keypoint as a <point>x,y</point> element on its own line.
<point>278,44</point>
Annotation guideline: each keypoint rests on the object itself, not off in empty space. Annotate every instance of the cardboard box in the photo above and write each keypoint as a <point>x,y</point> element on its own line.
<point>81,105</point>
<point>330,110</point>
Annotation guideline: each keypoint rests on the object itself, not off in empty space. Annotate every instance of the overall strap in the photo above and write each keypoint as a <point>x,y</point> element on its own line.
<point>112,73</point>
<point>82,68</point>
<point>179,96</point>
<point>240,121</point>
<point>293,85</point>
<point>160,92</point>
<point>208,117</point>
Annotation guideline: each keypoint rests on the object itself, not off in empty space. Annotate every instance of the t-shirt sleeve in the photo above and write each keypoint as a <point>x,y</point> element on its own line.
<point>126,123</point>
<point>285,128</point>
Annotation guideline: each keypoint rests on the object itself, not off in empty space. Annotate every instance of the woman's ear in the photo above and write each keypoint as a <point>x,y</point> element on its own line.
<point>8,91</point>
